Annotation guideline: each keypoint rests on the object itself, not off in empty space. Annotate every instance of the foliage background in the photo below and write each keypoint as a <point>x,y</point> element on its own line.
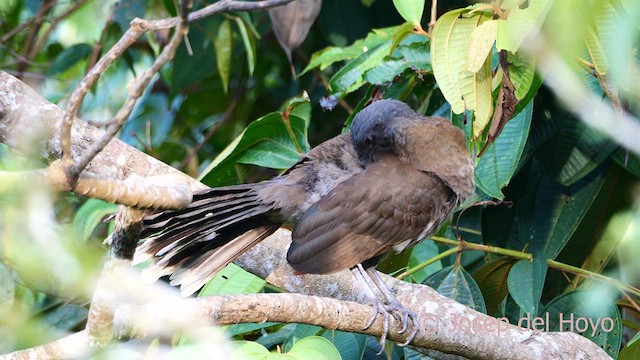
<point>572,189</point>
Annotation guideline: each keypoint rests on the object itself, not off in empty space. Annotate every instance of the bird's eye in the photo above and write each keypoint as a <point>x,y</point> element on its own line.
<point>368,141</point>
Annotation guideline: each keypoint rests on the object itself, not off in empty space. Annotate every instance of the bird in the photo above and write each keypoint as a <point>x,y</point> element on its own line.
<point>382,187</point>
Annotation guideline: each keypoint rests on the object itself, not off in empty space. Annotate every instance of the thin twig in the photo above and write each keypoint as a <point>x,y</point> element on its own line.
<point>434,15</point>
<point>45,7</point>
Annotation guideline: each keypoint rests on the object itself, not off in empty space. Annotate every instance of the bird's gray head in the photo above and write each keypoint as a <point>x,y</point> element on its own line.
<point>376,128</point>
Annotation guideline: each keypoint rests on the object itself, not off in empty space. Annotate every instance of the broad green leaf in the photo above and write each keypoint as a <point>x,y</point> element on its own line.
<point>455,283</point>
<point>224,47</point>
<point>549,213</point>
<point>232,280</point>
<point>69,57</point>
<point>450,41</point>
<point>522,70</point>
<point>579,311</point>
<point>627,160</point>
<point>331,55</point>
<point>249,43</point>
<point>90,215</point>
<point>66,317</point>
<point>420,253</point>
<point>482,39</point>
<point>300,332</point>
<point>265,142</point>
<point>491,278</point>
<point>350,345</point>
<point>316,348</point>
<point>242,329</point>
<point>248,350</point>
<point>410,10</point>
<point>191,68</point>
<point>526,280</point>
<point>463,89</point>
<point>403,31</point>
<point>596,52</point>
<point>583,148</point>
<point>153,109</point>
<point>520,23</point>
<point>351,76</point>
<point>500,160</point>
<point>414,56</point>
<point>631,351</point>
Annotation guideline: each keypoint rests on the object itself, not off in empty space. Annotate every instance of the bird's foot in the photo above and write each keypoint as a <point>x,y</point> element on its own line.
<point>408,319</point>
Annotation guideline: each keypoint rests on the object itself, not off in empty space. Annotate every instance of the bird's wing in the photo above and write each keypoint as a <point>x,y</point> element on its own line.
<point>367,215</point>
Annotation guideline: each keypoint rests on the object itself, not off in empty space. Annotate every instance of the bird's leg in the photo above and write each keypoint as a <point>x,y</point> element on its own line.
<point>394,306</point>
<point>391,306</point>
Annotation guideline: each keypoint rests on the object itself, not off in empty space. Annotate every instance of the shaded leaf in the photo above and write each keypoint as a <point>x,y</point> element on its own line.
<point>631,351</point>
<point>401,33</point>
<point>522,70</point>
<point>579,311</point>
<point>491,278</point>
<point>455,283</point>
<point>526,280</point>
<point>350,345</point>
<point>224,47</point>
<point>420,253</point>
<point>627,161</point>
<point>189,69</point>
<point>301,332</point>
<point>66,317</point>
<point>499,163</point>
<point>69,57</point>
<point>292,22</point>
<point>248,39</point>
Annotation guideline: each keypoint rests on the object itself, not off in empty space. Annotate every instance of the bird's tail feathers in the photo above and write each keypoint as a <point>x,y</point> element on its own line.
<point>193,244</point>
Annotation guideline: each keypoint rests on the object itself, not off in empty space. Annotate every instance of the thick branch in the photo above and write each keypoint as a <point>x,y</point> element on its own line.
<point>21,110</point>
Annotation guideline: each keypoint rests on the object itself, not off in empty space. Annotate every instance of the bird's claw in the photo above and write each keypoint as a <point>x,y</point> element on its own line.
<point>401,314</point>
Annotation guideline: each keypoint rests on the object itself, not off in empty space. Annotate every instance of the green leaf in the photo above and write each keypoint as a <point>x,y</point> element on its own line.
<point>331,55</point>
<point>526,280</point>
<point>233,280</point>
<point>420,253</point>
<point>522,70</point>
<point>632,350</point>
<point>300,332</point>
<point>351,76</point>
<point>463,89</point>
<point>500,160</point>
<point>224,48</point>
<point>627,160</point>
<point>66,317</point>
<point>350,345</point>
<point>520,23</point>
<point>316,348</point>
<point>248,350</point>
<point>69,57</point>
<point>455,283</point>
<point>410,10</point>
<point>244,329</point>
<point>491,278</point>
<point>189,69</point>
<point>249,43</point>
<point>90,215</point>
<point>403,31</point>
<point>579,311</point>
<point>265,142</point>
<point>482,39</point>
<point>120,354</point>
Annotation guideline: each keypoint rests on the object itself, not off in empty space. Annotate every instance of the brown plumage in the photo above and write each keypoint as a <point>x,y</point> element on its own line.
<point>387,185</point>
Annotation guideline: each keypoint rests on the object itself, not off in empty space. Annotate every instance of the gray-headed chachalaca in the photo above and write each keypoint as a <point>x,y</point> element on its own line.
<point>389,183</point>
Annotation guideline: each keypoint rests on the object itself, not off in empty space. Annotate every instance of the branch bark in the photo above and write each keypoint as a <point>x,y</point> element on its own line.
<point>22,110</point>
